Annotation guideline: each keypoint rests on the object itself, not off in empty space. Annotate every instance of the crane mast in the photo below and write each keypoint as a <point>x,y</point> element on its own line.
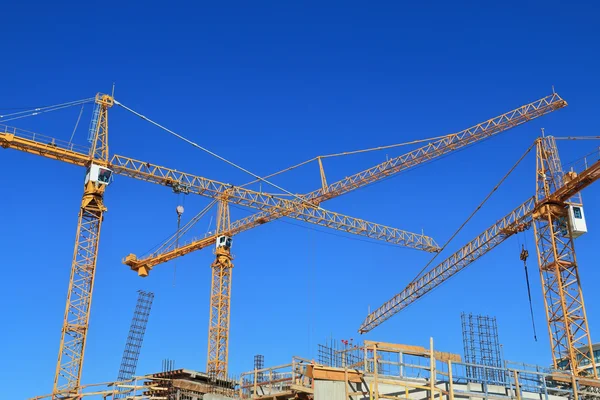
<point>83,267</point>
<point>220,296</point>
<point>568,328</point>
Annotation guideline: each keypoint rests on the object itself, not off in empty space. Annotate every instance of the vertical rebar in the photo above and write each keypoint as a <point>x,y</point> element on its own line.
<point>259,363</point>
<point>135,338</point>
<point>482,347</point>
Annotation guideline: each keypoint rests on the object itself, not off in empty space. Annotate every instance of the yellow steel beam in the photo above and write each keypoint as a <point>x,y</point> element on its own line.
<point>220,301</point>
<point>83,267</point>
<point>443,146</point>
<point>393,166</point>
<point>189,183</point>
<point>517,220</point>
<point>568,329</point>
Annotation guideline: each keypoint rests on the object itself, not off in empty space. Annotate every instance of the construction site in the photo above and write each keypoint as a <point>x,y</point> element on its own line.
<point>342,369</point>
<point>300,200</point>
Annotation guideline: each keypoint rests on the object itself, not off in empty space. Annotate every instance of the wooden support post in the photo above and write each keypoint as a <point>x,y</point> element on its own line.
<point>366,360</point>
<point>574,385</point>
<point>241,381</point>
<point>517,385</point>
<point>451,382</point>
<point>376,371</point>
<point>346,382</point>
<point>406,392</point>
<point>255,384</point>
<point>431,371</point>
<point>271,382</point>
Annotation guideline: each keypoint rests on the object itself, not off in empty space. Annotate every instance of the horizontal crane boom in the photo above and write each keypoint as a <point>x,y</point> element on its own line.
<point>406,161</point>
<point>443,146</point>
<point>516,221</point>
<point>189,183</point>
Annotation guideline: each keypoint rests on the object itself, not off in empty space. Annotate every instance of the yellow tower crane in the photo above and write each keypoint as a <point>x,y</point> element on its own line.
<point>220,295</point>
<point>100,167</point>
<point>83,267</point>
<point>554,214</point>
<point>220,306</point>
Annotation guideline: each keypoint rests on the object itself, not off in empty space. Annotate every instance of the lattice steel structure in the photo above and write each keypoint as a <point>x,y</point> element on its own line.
<point>298,209</point>
<point>517,220</point>
<point>83,267</point>
<point>482,347</point>
<point>73,337</point>
<point>135,338</point>
<point>259,363</point>
<point>305,208</point>
<point>547,211</point>
<point>220,298</point>
<point>570,339</point>
<point>76,318</point>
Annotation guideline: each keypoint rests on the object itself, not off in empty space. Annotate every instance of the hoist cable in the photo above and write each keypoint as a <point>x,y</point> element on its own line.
<point>166,244</point>
<point>38,113</point>
<point>216,155</point>
<point>473,213</point>
<point>40,110</point>
<point>76,124</point>
<point>523,257</point>
<point>390,146</point>
<point>346,153</point>
<point>576,137</point>
<point>176,247</point>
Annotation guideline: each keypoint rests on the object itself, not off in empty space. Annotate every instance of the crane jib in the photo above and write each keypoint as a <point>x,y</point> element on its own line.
<point>481,245</point>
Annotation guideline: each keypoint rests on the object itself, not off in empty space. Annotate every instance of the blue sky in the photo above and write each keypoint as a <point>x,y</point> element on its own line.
<point>268,85</point>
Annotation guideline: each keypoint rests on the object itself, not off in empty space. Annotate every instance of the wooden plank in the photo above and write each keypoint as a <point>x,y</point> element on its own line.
<point>414,350</point>
<point>190,385</point>
<point>333,374</point>
<point>582,381</point>
<point>303,389</point>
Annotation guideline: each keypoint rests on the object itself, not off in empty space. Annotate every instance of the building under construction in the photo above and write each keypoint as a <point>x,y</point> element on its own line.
<point>372,370</point>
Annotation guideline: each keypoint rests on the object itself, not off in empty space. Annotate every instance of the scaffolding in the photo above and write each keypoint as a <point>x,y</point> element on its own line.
<point>386,371</point>
<point>279,382</point>
<point>402,372</point>
<point>482,348</point>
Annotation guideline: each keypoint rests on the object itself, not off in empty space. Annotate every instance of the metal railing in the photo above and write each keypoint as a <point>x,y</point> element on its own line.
<point>37,137</point>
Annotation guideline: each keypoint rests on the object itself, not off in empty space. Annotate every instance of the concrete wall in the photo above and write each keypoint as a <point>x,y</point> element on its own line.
<point>334,390</point>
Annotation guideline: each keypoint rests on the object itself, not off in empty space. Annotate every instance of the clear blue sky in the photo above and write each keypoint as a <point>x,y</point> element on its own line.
<point>270,84</point>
